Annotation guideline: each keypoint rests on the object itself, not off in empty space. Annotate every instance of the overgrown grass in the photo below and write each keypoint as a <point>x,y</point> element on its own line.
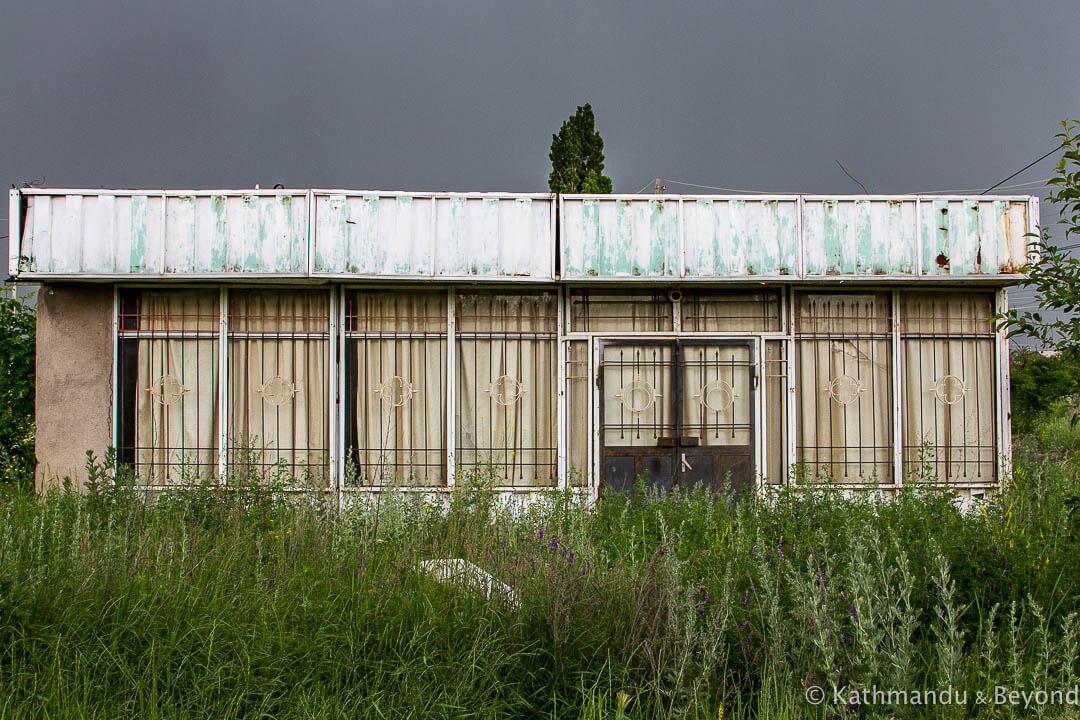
<point>253,603</point>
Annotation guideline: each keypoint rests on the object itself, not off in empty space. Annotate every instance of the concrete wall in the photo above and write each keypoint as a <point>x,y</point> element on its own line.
<point>74,379</point>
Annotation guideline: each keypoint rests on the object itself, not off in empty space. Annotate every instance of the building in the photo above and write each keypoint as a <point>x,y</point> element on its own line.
<point>349,341</point>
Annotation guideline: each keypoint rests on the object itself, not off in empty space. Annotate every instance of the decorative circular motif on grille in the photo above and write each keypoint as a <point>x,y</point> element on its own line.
<point>717,395</point>
<point>167,389</point>
<point>638,395</point>
<point>950,389</point>
<point>506,390</point>
<point>277,391</point>
<point>844,389</point>
<point>396,391</point>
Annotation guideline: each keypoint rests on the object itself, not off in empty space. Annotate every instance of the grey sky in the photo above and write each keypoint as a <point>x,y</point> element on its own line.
<point>464,95</point>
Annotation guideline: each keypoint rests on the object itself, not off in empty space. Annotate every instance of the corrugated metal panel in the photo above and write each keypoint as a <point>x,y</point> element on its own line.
<point>136,234</point>
<point>730,237</point>
<point>434,235</point>
<point>163,234</point>
<point>812,237</point>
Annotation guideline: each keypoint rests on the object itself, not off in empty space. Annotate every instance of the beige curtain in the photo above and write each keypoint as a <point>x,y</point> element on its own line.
<point>775,411</point>
<point>176,432</point>
<point>717,397</point>
<point>401,411</point>
<point>401,386</point>
<point>620,311</point>
<point>638,386</point>
<point>176,429</point>
<point>948,386</point>
<point>577,413</point>
<point>506,387</point>
<point>844,387</point>
<point>726,311</point>
<point>844,392</point>
<point>279,399</point>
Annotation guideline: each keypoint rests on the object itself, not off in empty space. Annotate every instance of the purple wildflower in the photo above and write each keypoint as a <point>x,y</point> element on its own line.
<point>854,615</point>
<point>571,557</point>
<point>745,595</point>
<point>541,533</point>
<point>554,546</point>
<point>780,549</point>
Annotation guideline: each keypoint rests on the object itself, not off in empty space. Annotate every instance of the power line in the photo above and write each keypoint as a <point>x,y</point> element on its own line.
<point>1030,164</point>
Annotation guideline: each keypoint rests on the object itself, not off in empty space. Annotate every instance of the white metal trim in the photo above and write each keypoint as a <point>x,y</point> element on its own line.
<point>451,387</point>
<point>223,384</point>
<point>897,394</point>
<point>562,435</point>
<point>14,236</point>
<point>1003,394</point>
<point>333,393</point>
<point>115,374</point>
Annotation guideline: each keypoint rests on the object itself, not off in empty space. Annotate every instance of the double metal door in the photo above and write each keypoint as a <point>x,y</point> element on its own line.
<point>677,413</point>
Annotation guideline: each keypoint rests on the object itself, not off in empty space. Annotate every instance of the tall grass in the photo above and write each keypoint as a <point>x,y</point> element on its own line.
<point>250,602</point>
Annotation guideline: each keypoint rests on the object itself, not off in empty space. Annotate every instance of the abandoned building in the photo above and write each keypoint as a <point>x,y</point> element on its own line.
<point>354,340</point>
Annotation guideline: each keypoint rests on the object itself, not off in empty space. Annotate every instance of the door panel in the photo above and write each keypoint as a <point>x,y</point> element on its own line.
<point>677,413</point>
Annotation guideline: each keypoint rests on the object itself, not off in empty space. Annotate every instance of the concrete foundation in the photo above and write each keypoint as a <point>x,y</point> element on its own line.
<point>74,366</point>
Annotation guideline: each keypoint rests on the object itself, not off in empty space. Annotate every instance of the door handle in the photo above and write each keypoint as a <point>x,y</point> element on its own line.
<point>684,465</point>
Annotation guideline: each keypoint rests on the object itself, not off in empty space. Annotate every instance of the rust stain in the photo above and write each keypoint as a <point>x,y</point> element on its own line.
<point>941,260</point>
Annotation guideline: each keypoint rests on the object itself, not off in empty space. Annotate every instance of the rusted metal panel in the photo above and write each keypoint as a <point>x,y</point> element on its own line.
<point>732,237</point>
<point>492,236</point>
<point>92,233</point>
<point>809,237</point>
<point>437,235</point>
<point>621,237</point>
<point>973,236</point>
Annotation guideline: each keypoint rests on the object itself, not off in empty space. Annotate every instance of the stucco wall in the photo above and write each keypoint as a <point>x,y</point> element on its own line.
<point>74,379</point>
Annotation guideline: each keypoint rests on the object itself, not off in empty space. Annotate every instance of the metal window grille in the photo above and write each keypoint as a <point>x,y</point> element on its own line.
<point>167,385</point>
<point>278,374</point>
<point>948,407</point>
<point>395,388</point>
<point>730,311</point>
<point>621,311</point>
<point>506,375</point>
<point>844,388</point>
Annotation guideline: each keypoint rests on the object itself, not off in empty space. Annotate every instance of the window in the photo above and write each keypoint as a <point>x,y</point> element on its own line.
<point>844,386</point>
<point>506,387</point>
<point>730,311</point>
<point>278,376</point>
<point>776,430</point>
<point>620,311</point>
<point>949,419</point>
<point>167,389</point>
<point>577,411</point>
<point>395,388</point>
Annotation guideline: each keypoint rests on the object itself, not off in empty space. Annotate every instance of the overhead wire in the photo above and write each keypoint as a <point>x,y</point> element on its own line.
<point>1030,164</point>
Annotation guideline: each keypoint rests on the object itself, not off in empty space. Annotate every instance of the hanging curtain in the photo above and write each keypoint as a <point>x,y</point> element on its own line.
<point>844,387</point>
<point>506,378</point>
<point>278,384</point>
<point>400,387</point>
<point>948,386</point>
<point>176,386</point>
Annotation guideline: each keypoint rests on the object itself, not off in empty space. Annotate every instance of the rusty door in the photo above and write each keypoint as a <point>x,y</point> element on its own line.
<point>677,413</point>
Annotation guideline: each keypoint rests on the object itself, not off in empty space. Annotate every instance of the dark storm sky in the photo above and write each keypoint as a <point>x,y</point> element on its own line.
<point>464,95</point>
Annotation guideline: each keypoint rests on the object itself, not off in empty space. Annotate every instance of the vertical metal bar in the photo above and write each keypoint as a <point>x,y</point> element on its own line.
<point>340,368</point>
<point>897,397</point>
<point>433,232</point>
<point>115,414</point>
<point>164,228</point>
<point>760,428</point>
<point>1003,395</point>
<point>553,223</point>
<point>223,382</point>
<point>334,395</point>
<point>789,386</point>
<point>451,387</point>
<point>594,412</point>
<point>562,441</point>
<point>14,236</point>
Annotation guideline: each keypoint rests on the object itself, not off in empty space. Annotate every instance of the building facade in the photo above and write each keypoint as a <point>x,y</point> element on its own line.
<point>349,341</point>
